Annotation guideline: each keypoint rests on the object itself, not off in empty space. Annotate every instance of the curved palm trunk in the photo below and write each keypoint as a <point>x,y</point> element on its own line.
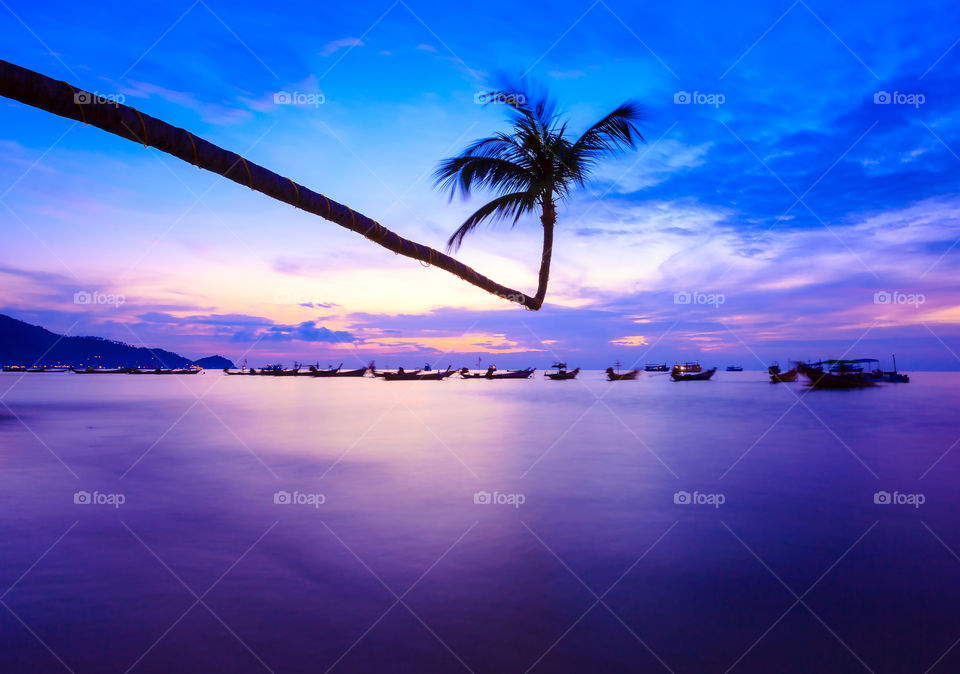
<point>548,219</point>
<point>60,98</point>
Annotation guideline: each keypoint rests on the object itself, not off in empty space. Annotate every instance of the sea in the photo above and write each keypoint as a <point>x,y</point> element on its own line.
<point>210,523</point>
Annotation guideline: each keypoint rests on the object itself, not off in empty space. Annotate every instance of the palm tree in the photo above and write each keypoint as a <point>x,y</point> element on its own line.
<point>65,100</point>
<point>534,166</point>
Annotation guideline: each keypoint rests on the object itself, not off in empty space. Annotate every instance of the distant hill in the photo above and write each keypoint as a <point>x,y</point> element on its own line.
<point>214,363</point>
<point>25,344</point>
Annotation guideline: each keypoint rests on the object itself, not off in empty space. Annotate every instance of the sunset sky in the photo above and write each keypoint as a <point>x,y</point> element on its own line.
<point>800,185</point>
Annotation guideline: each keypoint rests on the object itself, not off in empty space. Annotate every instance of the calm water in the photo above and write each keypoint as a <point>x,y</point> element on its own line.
<point>587,565</point>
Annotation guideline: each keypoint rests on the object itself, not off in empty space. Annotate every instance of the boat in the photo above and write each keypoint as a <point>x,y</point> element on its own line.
<point>839,374</point>
<point>677,374</point>
<point>335,372</point>
<point>100,370</point>
<point>624,376</point>
<point>895,377</point>
<point>688,367</point>
<point>491,373</point>
<point>383,373</point>
<point>182,370</point>
<point>278,371</point>
<point>734,368</point>
<point>417,375</point>
<point>652,367</point>
<point>243,370</point>
<point>561,372</point>
<point>777,376</point>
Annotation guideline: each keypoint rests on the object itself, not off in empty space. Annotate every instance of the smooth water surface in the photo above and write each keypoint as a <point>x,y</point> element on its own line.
<point>584,561</point>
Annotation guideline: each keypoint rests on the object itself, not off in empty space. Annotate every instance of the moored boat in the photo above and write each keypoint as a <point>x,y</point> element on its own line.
<point>652,367</point>
<point>336,372</point>
<point>777,376</point>
<point>100,370</point>
<point>895,377</point>
<point>688,367</point>
<point>278,371</point>
<point>491,373</point>
<point>841,374</point>
<point>417,375</point>
<point>677,374</point>
<point>734,368</point>
<point>561,372</point>
<point>182,370</point>
<point>630,374</point>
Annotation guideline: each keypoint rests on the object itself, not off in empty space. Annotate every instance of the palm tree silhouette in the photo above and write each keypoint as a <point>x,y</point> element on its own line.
<point>534,166</point>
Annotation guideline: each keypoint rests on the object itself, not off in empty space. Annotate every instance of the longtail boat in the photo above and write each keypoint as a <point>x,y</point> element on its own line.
<point>776,376</point>
<point>623,376</point>
<point>561,372</point>
<point>159,370</point>
<point>101,370</point>
<point>338,372</point>
<point>278,371</point>
<point>653,367</point>
<point>417,375</point>
<point>492,373</point>
<point>243,370</point>
<point>894,376</point>
<point>688,367</point>
<point>734,368</point>
<point>383,373</point>
<point>841,374</point>
<point>678,375</point>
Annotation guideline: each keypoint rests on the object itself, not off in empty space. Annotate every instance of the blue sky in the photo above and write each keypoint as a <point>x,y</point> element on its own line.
<point>786,186</point>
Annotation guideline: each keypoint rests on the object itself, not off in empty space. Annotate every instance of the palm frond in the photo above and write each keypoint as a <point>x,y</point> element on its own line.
<point>465,171</point>
<point>614,133</point>
<point>509,205</point>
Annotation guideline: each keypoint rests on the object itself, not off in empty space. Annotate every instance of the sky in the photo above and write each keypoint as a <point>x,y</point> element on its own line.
<point>798,196</point>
